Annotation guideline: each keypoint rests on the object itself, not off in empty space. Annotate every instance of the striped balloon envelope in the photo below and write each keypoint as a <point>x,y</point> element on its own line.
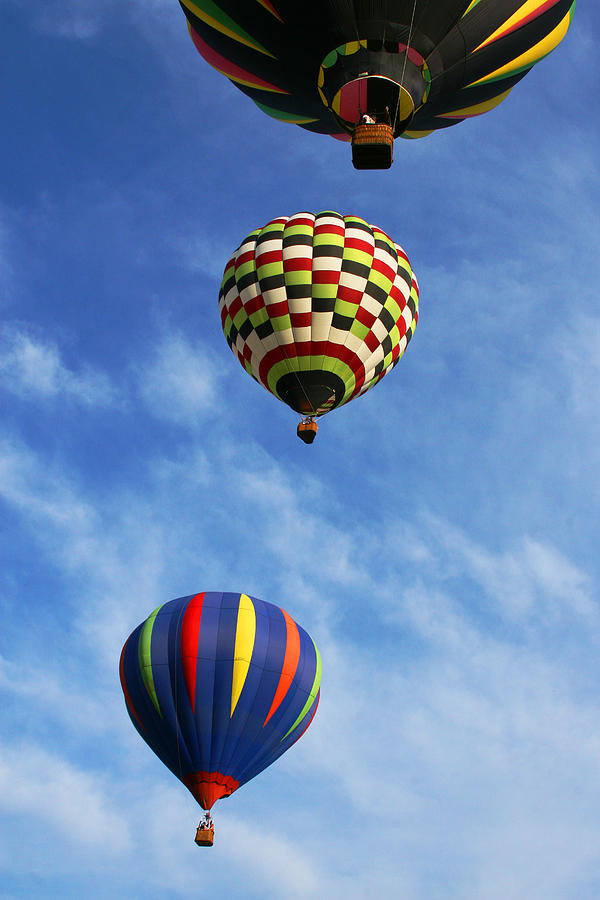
<point>318,308</point>
<point>416,64</point>
<point>219,686</point>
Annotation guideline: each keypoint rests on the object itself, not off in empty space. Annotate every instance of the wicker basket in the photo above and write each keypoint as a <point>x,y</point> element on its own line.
<point>373,146</point>
<point>307,431</point>
<point>205,837</point>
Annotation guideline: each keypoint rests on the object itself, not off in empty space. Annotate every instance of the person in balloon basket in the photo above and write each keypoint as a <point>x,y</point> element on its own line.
<point>205,831</point>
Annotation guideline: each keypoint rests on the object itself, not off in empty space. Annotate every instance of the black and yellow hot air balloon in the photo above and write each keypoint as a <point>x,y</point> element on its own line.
<point>371,70</point>
<point>318,308</point>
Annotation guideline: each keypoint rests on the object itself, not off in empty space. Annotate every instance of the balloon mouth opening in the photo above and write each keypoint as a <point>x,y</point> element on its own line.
<point>381,101</point>
<point>208,787</point>
<point>310,393</point>
<point>387,83</point>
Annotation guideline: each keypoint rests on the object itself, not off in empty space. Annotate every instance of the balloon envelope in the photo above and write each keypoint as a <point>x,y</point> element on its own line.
<point>419,64</point>
<point>219,686</point>
<point>318,308</point>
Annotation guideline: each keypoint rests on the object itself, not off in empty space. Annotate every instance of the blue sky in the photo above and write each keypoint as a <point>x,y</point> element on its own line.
<point>439,540</point>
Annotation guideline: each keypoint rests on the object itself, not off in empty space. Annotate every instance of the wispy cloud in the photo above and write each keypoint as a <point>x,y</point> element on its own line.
<point>73,19</point>
<point>204,254</point>
<point>39,493</point>
<point>49,689</point>
<point>48,788</point>
<point>531,580</point>
<point>580,355</point>
<point>179,381</point>
<point>417,730</point>
<point>32,368</point>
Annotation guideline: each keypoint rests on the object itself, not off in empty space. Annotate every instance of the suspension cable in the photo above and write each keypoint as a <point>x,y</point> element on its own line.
<point>410,34</point>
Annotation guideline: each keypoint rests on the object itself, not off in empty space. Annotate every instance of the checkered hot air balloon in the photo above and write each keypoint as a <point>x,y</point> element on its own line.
<point>219,686</point>
<point>412,65</point>
<point>318,308</point>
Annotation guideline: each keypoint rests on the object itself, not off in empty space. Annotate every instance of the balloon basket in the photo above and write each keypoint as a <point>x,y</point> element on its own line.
<point>205,836</point>
<point>307,431</point>
<point>373,146</point>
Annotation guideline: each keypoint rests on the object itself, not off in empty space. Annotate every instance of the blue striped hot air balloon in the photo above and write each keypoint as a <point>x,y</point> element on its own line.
<point>219,686</point>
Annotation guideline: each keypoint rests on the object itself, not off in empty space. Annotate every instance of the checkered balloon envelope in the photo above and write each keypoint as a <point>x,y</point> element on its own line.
<point>318,308</point>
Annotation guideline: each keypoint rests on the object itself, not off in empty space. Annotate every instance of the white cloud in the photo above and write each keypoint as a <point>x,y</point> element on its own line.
<point>52,693</point>
<point>471,748</point>
<point>203,254</point>
<point>84,20</point>
<point>73,19</point>
<point>39,494</point>
<point>430,723</point>
<point>531,580</point>
<point>273,858</point>
<point>180,382</point>
<point>580,355</point>
<point>56,793</point>
<point>111,552</point>
<point>31,368</point>
<point>293,533</point>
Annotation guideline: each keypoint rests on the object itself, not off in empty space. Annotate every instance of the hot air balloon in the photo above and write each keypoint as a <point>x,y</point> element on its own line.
<point>371,70</point>
<point>317,309</point>
<point>219,685</point>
